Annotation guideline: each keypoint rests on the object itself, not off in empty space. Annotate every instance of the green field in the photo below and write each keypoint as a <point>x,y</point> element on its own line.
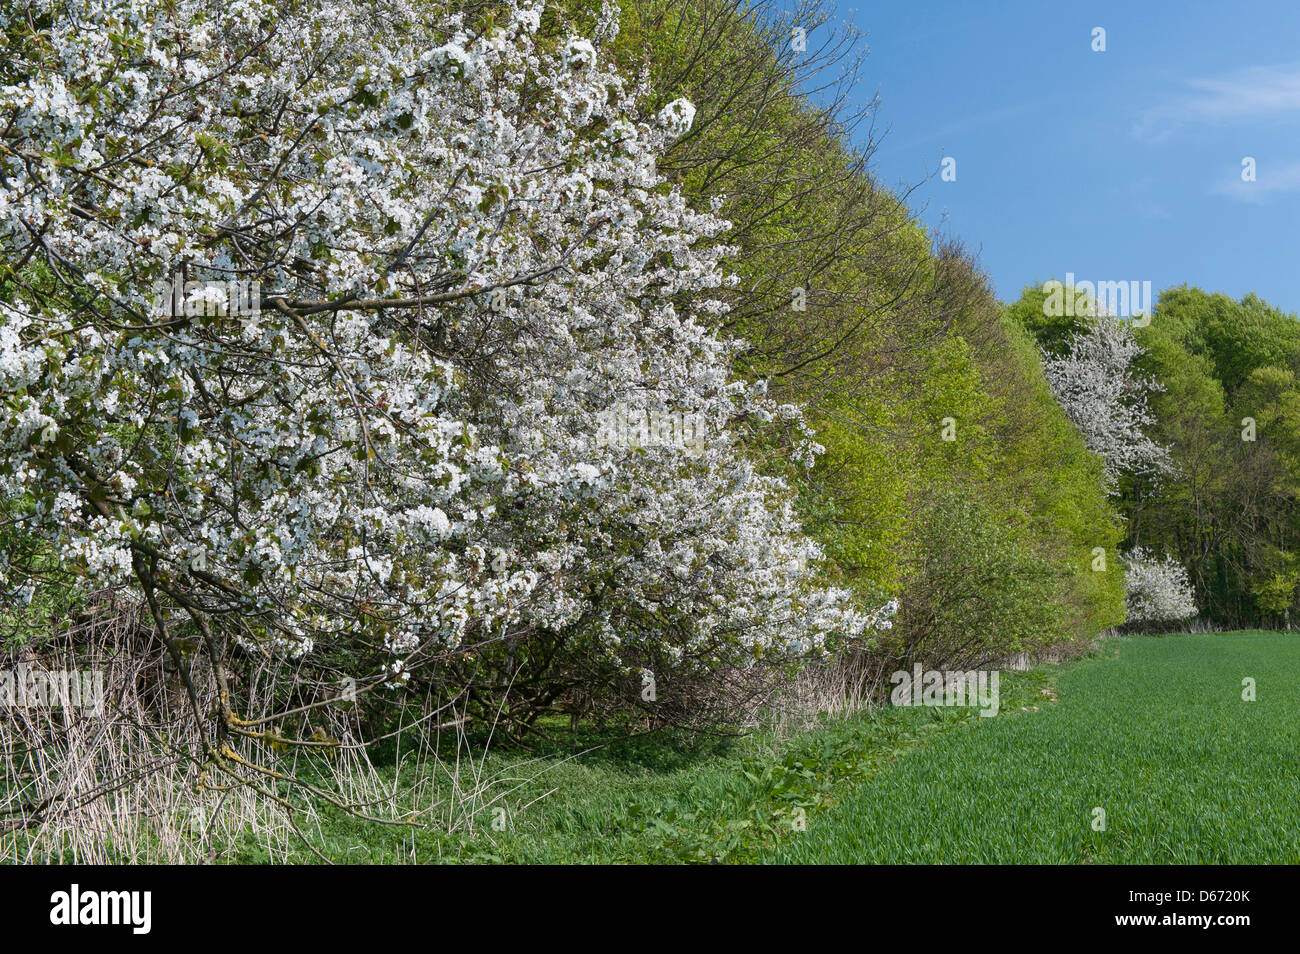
<point>1159,737</point>
<point>1152,730</point>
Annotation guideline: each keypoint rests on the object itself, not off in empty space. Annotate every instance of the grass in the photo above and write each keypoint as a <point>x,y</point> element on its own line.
<point>1159,737</point>
<point>651,800</point>
<point>1153,731</point>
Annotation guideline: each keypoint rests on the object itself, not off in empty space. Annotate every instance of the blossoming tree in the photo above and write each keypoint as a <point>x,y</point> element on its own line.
<point>1158,589</point>
<point>1095,383</point>
<point>308,321</point>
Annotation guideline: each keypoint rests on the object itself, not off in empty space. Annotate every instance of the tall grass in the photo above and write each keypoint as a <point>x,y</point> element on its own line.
<point>128,783</point>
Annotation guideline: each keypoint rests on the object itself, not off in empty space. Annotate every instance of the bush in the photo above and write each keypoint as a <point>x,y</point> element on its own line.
<point>975,594</point>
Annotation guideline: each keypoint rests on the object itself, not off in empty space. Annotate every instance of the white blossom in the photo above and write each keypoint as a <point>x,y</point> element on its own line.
<point>1096,386</point>
<point>1157,590</point>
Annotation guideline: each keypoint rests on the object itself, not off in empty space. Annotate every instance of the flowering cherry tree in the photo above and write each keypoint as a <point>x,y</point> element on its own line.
<point>384,462</point>
<point>1096,386</point>
<point>1158,590</point>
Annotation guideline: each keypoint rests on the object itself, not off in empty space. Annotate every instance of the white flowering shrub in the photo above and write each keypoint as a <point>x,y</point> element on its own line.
<point>391,469</point>
<point>1096,386</point>
<point>1158,590</point>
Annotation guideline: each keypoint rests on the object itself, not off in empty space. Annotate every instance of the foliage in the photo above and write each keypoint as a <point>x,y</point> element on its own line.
<point>976,593</point>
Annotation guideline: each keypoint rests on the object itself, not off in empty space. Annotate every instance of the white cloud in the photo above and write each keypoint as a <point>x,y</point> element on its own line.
<point>1252,93</point>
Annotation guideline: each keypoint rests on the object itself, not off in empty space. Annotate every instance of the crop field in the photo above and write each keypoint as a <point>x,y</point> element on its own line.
<point>1158,737</point>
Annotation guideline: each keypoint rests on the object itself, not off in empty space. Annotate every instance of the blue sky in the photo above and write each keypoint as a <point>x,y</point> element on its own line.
<point>1116,165</point>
